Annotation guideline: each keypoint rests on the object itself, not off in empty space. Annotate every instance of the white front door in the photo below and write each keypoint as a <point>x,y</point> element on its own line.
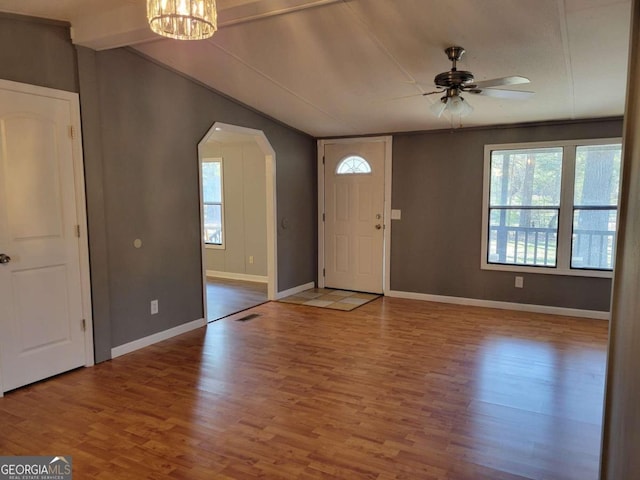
<point>354,215</point>
<point>41,314</point>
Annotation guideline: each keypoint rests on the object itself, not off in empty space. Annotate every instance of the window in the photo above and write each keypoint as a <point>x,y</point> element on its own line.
<point>551,207</point>
<point>353,165</point>
<point>524,206</point>
<point>595,206</point>
<point>212,202</point>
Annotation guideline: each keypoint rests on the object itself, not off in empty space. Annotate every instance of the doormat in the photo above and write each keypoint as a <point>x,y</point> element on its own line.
<point>330,298</point>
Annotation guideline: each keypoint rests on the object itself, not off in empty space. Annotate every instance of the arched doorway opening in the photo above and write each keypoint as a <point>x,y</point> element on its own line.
<point>237,167</point>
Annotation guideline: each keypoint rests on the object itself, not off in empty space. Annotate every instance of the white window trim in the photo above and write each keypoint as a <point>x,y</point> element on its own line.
<point>565,221</point>
<point>214,246</point>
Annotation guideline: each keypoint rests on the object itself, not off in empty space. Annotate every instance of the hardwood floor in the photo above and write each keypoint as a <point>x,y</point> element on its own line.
<point>225,296</point>
<point>396,389</point>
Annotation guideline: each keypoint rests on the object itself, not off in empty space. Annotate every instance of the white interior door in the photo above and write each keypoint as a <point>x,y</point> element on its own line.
<point>354,215</point>
<point>41,314</point>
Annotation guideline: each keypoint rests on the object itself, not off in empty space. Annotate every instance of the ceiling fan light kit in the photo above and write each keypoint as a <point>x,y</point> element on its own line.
<point>458,106</point>
<point>454,104</point>
<point>438,108</point>
<point>454,82</point>
<point>183,19</point>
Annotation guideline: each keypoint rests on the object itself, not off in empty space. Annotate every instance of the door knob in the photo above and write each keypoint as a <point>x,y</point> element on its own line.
<point>4,258</point>
<point>378,227</point>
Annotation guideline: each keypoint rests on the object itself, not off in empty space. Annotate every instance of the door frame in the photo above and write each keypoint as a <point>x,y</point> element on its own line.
<point>386,248</point>
<point>81,209</point>
<point>270,178</point>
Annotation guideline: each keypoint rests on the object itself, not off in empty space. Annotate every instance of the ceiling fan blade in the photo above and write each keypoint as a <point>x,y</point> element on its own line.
<point>499,93</point>
<point>413,95</point>
<point>499,82</point>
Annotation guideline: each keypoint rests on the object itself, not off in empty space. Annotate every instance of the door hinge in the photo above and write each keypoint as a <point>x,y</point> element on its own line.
<point>84,325</point>
<point>78,231</point>
<point>323,217</point>
<point>324,273</point>
<point>323,159</point>
<point>72,132</point>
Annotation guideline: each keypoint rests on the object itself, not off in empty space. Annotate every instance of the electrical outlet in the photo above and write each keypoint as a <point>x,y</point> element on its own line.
<point>519,282</point>
<point>154,307</point>
<point>251,259</point>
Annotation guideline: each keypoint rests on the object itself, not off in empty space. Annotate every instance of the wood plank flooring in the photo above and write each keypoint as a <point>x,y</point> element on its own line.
<point>397,389</point>
<point>226,296</point>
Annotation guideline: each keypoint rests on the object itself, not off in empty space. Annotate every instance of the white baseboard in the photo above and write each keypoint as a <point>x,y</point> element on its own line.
<point>523,307</point>
<point>294,290</point>
<point>156,337</point>
<point>238,276</point>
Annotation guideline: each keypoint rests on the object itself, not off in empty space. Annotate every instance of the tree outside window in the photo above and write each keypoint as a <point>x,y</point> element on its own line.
<point>595,206</point>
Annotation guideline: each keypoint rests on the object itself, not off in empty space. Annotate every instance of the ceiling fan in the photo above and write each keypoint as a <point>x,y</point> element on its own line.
<point>454,82</point>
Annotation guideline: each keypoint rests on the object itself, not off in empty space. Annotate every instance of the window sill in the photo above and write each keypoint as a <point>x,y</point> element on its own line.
<point>211,246</point>
<point>547,270</point>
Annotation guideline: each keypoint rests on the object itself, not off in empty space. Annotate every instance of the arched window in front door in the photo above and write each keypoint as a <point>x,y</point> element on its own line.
<point>353,165</point>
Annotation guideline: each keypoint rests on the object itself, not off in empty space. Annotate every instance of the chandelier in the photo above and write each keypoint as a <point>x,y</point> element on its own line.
<point>183,19</point>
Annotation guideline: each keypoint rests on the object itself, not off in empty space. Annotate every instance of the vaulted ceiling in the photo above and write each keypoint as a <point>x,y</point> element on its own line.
<point>350,67</point>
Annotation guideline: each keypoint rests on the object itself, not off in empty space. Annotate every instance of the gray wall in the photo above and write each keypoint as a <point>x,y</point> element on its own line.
<point>435,248</point>
<point>144,136</point>
<point>38,52</point>
<point>245,213</point>
<point>96,221</point>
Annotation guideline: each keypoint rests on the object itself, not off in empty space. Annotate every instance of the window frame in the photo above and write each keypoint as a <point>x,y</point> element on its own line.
<point>566,209</point>
<point>220,160</point>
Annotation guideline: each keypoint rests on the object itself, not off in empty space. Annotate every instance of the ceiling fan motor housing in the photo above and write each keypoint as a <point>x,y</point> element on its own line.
<point>454,78</point>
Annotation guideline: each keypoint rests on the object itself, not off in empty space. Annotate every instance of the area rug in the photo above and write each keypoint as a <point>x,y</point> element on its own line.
<point>330,298</point>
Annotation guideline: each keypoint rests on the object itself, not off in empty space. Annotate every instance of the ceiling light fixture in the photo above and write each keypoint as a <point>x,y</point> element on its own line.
<point>183,19</point>
<point>453,103</point>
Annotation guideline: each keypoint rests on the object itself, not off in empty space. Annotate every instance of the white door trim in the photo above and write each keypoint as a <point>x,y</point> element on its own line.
<point>81,209</point>
<point>270,174</point>
<point>388,141</point>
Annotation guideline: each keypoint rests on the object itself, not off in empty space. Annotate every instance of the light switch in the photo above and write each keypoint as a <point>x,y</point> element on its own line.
<point>396,214</point>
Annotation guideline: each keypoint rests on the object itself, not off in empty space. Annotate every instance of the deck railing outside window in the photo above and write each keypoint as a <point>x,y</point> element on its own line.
<point>538,247</point>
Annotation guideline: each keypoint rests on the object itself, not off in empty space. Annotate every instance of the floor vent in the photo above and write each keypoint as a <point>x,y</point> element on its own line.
<point>246,318</point>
